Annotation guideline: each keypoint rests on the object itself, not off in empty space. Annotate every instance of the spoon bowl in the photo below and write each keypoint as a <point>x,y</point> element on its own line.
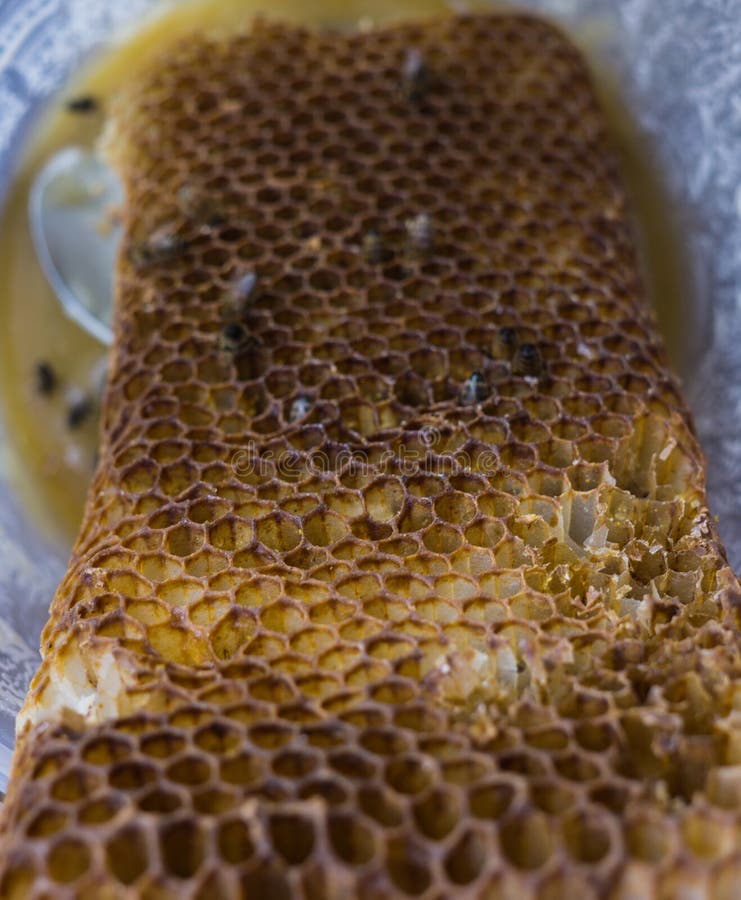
<point>72,211</point>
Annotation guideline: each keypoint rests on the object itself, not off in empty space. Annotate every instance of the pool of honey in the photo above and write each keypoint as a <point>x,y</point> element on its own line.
<point>52,449</point>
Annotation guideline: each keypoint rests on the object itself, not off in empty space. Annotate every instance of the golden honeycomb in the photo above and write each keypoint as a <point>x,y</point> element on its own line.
<point>396,576</point>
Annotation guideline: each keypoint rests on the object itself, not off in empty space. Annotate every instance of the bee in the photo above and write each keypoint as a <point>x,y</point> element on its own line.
<point>79,410</point>
<point>83,104</point>
<point>46,378</point>
<point>374,249</point>
<point>233,336</point>
<point>199,207</point>
<point>508,340</point>
<point>420,234</point>
<point>243,292</point>
<point>415,77</point>
<point>527,361</point>
<point>162,245</point>
<point>475,389</point>
<point>300,408</point>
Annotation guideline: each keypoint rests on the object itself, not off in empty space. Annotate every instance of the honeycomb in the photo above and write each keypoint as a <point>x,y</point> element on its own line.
<point>396,576</point>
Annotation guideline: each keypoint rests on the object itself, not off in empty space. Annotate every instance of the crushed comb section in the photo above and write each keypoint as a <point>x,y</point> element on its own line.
<point>396,576</point>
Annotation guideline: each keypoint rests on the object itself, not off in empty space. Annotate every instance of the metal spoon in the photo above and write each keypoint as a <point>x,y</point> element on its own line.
<point>75,239</point>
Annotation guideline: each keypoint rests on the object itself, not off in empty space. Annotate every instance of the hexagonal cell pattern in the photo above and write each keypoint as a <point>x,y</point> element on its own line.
<point>396,576</point>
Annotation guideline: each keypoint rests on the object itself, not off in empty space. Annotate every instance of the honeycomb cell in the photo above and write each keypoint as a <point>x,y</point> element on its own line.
<point>292,837</point>
<point>47,822</point>
<point>526,840</point>
<point>69,859</point>
<point>131,776</point>
<point>323,528</point>
<point>278,533</point>
<point>74,785</point>
<point>466,858</point>
<point>190,770</point>
<point>184,540</point>
<point>437,813</point>
<point>234,842</point>
<point>17,880</point>
<point>408,866</point>
<point>98,811</point>
<point>586,837</point>
<point>182,846</point>
<point>158,801</point>
<point>350,839</point>
<point>126,855</point>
